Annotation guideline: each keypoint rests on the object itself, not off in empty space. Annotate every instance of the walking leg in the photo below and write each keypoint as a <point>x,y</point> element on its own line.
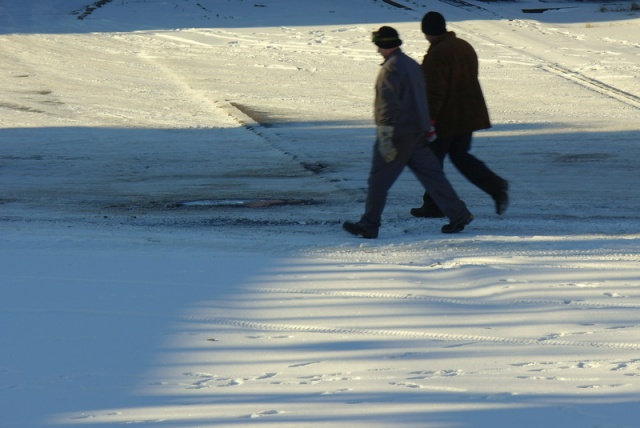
<point>477,172</point>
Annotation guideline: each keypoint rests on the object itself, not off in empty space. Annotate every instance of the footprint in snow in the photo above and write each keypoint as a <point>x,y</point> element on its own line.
<point>337,391</point>
<point>304,364</point>
<point>264,413</point>
<point>267,376</point>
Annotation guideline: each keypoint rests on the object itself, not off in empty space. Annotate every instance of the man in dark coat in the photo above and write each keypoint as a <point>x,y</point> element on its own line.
<point>401,116</point>
<point>457,108</point>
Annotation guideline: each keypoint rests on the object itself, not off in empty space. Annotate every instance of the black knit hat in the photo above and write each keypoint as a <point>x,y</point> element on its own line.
<point>433,24</point>
<point>386,38</point>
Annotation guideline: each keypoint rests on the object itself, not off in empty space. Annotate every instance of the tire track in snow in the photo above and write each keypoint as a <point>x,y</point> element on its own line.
<point>557,302</point>
<point>301,328</point>
<point>593,84</point>
<point>445,337</point>
<point>574,76</point>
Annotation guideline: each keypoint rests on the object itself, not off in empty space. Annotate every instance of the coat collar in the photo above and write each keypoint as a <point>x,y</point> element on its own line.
<point>393,54</point>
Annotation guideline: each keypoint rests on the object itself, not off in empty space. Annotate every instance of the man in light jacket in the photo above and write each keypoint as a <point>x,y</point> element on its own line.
<point>402,123</point>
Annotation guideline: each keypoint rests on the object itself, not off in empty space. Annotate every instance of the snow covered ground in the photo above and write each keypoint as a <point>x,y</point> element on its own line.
<point>174,175</point>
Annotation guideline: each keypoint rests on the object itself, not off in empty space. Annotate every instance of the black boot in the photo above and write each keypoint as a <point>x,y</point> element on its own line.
<point>428,209</point>
<point>501,198</point>
<point>457,225</point>
<point>357,230</point>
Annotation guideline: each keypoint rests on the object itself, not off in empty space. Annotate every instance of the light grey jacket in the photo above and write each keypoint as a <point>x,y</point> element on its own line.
<point>401,99</point>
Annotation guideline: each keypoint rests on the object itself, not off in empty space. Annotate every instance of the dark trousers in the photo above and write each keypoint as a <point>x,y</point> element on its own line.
<point>472,168</point>
<point>413,153</point>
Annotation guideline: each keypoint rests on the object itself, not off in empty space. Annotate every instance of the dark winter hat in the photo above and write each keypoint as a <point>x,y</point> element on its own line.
<point>386,38</point>
<point>433,24</point>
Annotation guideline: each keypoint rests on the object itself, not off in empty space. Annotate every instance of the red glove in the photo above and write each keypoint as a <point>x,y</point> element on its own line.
<point>431,133</point>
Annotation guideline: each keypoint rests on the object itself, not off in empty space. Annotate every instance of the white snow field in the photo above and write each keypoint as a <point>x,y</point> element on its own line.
<point>173,176</point>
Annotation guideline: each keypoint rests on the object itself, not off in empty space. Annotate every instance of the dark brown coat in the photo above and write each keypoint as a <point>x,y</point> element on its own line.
<point>456,102</point>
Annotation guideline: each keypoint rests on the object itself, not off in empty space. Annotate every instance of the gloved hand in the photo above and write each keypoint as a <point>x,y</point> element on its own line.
<point>431,133</point>
<point>385,143</point>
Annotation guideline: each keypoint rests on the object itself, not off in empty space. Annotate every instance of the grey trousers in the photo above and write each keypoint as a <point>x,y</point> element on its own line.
<point>412,153</point>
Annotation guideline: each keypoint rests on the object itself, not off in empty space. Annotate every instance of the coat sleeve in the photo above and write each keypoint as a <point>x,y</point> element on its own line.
<point>436,72</point>
<point>388,89</point>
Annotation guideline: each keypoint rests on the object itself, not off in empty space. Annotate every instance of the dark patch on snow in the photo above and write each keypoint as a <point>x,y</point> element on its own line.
<point>242,203</point>
<point>88,10</point>
<point>18,107</point>
<point>582,157</point>
<point>396,4</point>
<point>260,117</point>
<point>245,222</point>
<point>543,9</point>
<point>315,167</point>
<point>464,5</point>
